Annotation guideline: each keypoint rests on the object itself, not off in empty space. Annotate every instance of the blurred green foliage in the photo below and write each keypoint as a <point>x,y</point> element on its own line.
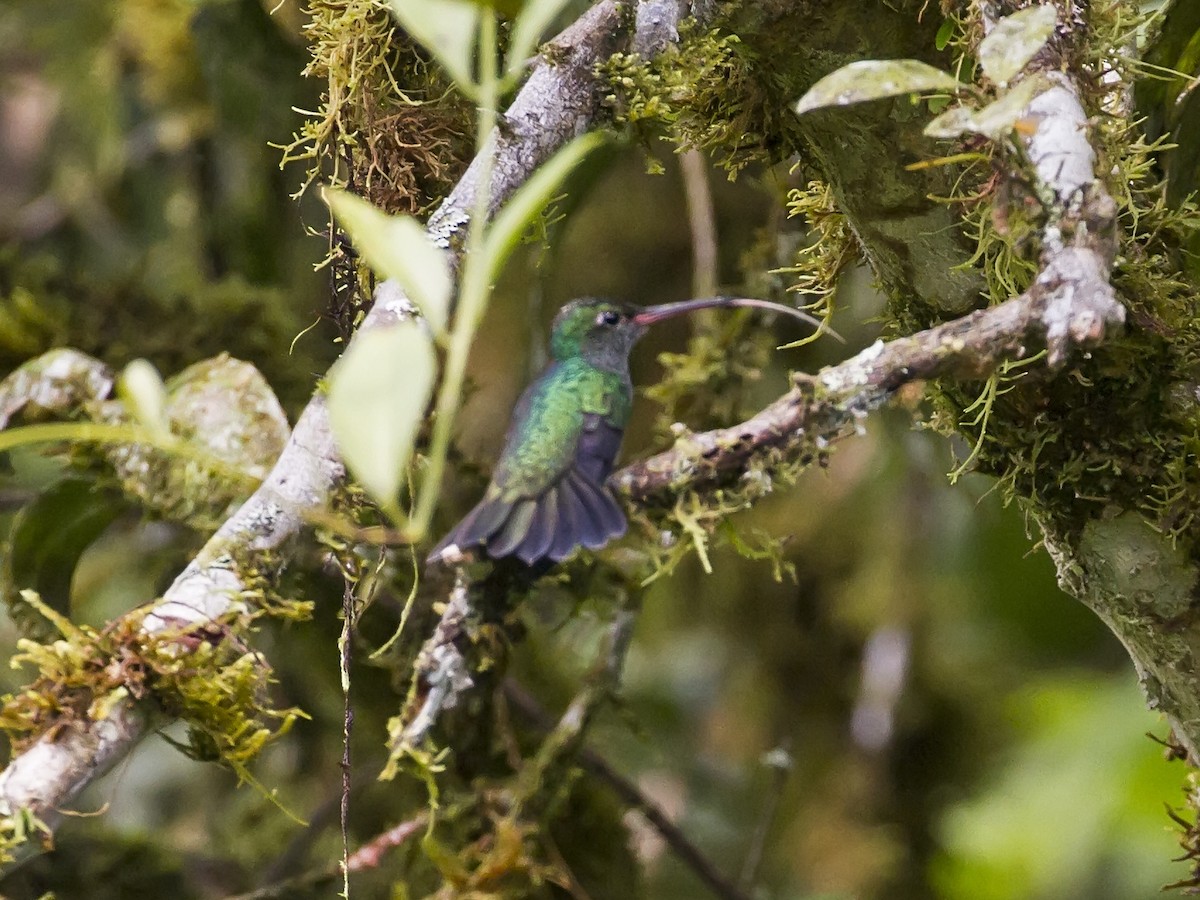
<point>143,212</point>
<point>948,724</point>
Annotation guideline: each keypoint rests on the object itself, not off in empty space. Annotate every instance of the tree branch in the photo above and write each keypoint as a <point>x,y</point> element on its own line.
<point>829,406</point>
<point>1071,303</point>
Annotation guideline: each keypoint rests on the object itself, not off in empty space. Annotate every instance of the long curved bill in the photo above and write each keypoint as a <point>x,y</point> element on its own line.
<point>650,314</point>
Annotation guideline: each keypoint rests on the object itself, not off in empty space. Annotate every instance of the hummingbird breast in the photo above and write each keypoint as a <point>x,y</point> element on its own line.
<point>572,416</point>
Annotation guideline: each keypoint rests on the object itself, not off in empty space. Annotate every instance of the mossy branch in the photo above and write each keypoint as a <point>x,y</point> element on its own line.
<point>829,406</point>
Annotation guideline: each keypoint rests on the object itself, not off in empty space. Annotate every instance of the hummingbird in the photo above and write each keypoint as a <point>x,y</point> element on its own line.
<point>548,494</point>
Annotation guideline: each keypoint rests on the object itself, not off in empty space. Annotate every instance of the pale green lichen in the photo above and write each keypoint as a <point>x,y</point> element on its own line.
<point>695,520</point>
<point>709,384</point>
<point>17,830</point>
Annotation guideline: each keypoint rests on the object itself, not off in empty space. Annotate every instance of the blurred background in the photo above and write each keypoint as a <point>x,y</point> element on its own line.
<point>914,710</point>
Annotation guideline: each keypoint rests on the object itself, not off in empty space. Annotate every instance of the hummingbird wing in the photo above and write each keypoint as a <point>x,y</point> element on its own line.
<point>548,493</point>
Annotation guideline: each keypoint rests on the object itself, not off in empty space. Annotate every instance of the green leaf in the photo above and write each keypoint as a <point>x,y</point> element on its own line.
<point>1170,103</point>
<point>47,538</point>
<point>994,121</point>
<point>953,123</point>
<point>448,29</point>
<point>1016,40</point>
<point>531,23</point>
<point>378,392</point>
<point>145,397</point>
<point>874,79</point>
<point>944,33</point>
<point>398,247</point>
<point>511,222</point>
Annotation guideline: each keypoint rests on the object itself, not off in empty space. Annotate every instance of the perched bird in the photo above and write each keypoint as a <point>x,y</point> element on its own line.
<point>548,493</point>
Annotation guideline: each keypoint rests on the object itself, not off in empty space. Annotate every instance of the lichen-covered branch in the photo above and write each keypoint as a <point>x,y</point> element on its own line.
<point>829,406</point>
<point>441,673</point>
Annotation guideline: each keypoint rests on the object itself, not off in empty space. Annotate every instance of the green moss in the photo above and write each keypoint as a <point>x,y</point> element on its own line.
<point>17,830</point>
<point>206,676</point>
<point>694,520</point>
<point>711,383</point>
<point>388,125</point>
<point>831,249</point>
<point>1121,425</point>
<point>702,93</point>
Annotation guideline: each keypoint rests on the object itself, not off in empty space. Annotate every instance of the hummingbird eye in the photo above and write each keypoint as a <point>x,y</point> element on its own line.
<point>609,317</point>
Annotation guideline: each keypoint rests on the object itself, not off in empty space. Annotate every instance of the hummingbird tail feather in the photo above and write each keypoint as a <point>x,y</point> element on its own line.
<point>514,531</point>
<point>570,522</point>
<point>538,540</point>
<point>598,518</point>
<point>482,522</point>
<point>575,512</point>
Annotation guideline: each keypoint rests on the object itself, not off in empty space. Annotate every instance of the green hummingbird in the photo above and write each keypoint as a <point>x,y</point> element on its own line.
<point>548,493</point>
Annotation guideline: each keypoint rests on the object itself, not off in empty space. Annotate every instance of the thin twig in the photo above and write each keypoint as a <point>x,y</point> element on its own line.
<point>632,796</point>
<point>369,856</point>
<point>779,761</point>
<point>702,221</point>
<point>830,406</point>
<point>345,643</point>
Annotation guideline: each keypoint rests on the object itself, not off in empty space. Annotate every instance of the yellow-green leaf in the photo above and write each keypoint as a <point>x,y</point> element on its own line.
<point>994,121</point>
<point>145,396</point>
<point>514,218</point>
<point>1016,40</point>
<point>448,29</point>
<point>398,247</point>
<point>874,79</point>
<point>378,392</point>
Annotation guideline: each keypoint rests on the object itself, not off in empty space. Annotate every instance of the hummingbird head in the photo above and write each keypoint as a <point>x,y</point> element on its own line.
<point>604,331</point>
<point>600,331</point>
